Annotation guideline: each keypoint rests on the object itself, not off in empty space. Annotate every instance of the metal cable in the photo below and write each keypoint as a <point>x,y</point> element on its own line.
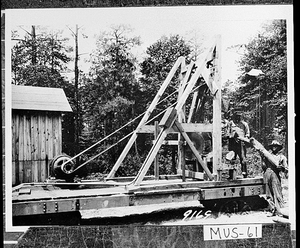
<point>111,134</point>
<point>113,145</point>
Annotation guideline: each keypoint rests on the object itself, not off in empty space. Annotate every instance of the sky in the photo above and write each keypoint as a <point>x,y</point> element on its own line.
<point>235,24</point>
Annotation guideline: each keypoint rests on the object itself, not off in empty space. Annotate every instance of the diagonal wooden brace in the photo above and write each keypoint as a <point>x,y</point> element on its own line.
<point>167,122</point>
<point>194,150</point>
<point>151,156</point>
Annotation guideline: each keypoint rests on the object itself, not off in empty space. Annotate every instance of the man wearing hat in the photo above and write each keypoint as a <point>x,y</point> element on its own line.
<point>272,176</point>
<point>239,128</point>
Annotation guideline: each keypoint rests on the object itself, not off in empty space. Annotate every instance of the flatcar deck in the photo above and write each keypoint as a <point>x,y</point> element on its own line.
<point>49,198</point>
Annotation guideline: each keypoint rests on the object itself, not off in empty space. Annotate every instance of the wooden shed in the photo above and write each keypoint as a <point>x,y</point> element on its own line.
<point>36,131</point>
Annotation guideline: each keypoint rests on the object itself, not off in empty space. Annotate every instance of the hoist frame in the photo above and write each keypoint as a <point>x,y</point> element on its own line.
<point>208,67</point>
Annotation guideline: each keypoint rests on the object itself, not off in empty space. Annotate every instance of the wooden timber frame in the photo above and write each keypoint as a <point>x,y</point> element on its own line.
<point>187,186</point>
<point>208,67</point>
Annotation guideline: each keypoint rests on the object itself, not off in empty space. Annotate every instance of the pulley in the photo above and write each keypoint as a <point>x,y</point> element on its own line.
<point>61,168</point>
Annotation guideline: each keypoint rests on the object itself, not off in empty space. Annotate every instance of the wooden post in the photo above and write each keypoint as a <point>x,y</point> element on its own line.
<point>217,138</point>
<point>181,118</point>
<point>156,165</point>
<point>193,106</point>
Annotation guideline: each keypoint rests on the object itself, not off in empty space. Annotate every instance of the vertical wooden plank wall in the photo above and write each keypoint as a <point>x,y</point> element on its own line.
<point>36,139</point>
<point>42,147</point>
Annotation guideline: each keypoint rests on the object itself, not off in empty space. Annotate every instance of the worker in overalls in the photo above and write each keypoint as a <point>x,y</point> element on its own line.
<point>239,128</point>
<point>272,177</point>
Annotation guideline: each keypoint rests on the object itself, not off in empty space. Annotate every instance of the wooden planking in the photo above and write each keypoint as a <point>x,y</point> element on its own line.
<point>35,170</point>
<point>43,170</point>
<point>35,136</point>
<point>13,137</point>
<point>27,138</point>
<point>27,165</point>
<point>13,173</point>
<point>42,146</point>
<point>15,142</point>
<point>49,138</point>
<point>21,147</point>
<point>59,137</point>
<point>55,134</point>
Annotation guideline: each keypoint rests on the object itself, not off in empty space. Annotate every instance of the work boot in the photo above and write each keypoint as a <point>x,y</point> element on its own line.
<point>244,170</point>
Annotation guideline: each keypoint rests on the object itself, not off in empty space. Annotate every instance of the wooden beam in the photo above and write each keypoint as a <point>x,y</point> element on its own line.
<point>187,127</point>
<point>68,204</point>
<point>181,119</point>
<point>217,134</point>
<point>193,106</point>
<point>169,142</point>
<point>156,165</point>
<point>230,192</point>
<point>200,184</point>
<point>56,201</point>
<point>146,116</point>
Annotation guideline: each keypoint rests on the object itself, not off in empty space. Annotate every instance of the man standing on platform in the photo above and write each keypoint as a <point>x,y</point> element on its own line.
<point>239,128</point>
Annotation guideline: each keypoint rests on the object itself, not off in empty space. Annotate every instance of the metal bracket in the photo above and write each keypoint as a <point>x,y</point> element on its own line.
<point>77,205</point>
<point>45,207</point>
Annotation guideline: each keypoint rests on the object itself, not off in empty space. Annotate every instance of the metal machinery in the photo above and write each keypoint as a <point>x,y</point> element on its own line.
<point>202,184</point>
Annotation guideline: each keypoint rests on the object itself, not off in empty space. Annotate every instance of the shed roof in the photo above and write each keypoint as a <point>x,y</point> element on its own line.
<point>39,98</point>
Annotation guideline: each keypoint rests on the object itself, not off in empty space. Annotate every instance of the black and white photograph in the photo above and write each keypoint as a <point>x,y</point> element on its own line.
<point>151,117</point>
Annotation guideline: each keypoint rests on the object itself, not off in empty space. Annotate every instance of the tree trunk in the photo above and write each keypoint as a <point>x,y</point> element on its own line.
<point>33,46</point>
<point>76,96</point>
